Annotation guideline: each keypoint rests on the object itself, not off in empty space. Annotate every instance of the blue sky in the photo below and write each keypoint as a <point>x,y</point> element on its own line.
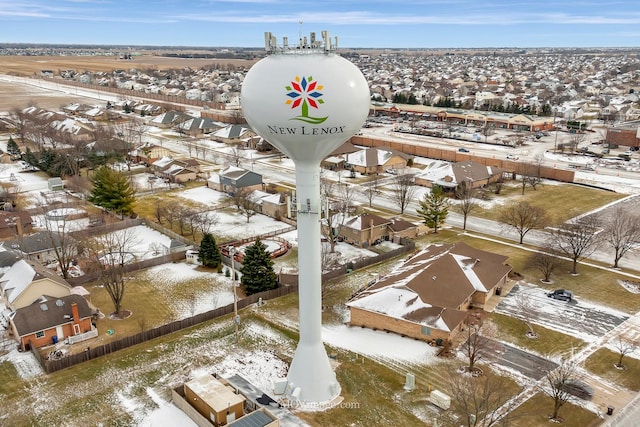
<point>370,23</point>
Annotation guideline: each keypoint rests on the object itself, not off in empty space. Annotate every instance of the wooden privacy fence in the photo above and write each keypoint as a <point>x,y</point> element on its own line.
<point>50,366</point>
<point>408,245</point>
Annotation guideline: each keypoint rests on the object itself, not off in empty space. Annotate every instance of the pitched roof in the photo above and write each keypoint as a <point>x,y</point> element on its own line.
<point>48,313</point>
<point>365,221</point>
<point>38,242</point>
<point>431,286</point>
<point>21,274</point>
<point>8,219</point>
<point>373,156</point>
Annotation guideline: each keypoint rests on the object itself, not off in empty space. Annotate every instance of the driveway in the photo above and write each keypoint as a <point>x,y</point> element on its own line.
<point>527,364</point>
<point>580,319</point>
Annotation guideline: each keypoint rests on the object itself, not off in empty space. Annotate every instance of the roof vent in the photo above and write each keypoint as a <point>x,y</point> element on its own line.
<point>44,307</point>
<point>59,302</point>
<point>433,277</point>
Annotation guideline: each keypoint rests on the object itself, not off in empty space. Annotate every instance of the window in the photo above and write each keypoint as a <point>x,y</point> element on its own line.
<point>426,330</point>
<point>40,334</point>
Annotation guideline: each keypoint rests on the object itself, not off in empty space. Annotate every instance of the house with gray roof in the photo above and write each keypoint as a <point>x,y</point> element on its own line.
<point>450,175</point>
<point>52,319</point>
<point>42,246</point>
<point>233,178</point>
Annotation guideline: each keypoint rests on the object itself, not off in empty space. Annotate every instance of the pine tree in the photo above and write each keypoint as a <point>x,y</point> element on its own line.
<point>434,208</point>
<point>12,148</point>
<point>112,190</point>
<point>257,269</point>
<point>209,254</point>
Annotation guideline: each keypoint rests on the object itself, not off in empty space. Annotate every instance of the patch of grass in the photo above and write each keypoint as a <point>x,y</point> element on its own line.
<point>10,380</point>
<point>536,410</point>
<point>561,202</point>
<point>601,363</point>
<point>549,341</point>
<point>369,389</point>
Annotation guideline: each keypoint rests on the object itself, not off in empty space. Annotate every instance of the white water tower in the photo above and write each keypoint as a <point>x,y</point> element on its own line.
<point>307,101</point>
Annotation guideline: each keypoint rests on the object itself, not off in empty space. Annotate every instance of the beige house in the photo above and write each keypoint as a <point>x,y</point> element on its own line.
<point>365,230</point>
<point>26,281</point>
<point>450,175</point>
<point>427,298</point>
<point>375,160</point>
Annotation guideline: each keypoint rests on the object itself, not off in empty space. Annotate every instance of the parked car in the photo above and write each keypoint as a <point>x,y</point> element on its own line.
<point>512,157</point>
<point>392,171</point>
<point>463,150</point>
<point>578,389</point>
<point>561,294</point>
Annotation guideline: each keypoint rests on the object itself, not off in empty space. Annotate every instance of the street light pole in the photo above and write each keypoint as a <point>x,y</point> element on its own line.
<point>236,319</point>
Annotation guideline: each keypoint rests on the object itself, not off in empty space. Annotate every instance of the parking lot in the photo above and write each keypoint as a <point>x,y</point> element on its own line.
<point>580,319</point>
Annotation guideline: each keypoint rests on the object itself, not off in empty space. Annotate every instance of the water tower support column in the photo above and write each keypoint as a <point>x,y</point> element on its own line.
<point>310,372</point>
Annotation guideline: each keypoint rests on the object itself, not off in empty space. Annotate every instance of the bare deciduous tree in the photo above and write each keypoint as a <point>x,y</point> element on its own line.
<point>577,239</point>
<point>403,190</point>
<point>621,232</point>
<point>526,311</point>
<point>477,402</point>
<point>556,383</point>
<point>524,217</point>
<point>370,188</point>
<point>466,203</point>
<point>546,264</point>
<point>110,253</point>
<point>623,346</point>
<point>57,232</point>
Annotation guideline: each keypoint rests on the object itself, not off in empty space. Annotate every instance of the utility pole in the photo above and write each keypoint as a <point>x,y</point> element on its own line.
<point>236,319</point>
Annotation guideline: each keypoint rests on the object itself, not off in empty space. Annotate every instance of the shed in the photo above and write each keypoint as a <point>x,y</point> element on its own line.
<point>55,184</point>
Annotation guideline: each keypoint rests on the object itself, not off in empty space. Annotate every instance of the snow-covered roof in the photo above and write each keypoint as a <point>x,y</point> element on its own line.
<point>16,280</point>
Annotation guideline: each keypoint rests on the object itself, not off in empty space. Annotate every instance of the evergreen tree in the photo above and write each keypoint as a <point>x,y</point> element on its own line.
<point>257,269</point>
<point>112,190</point>
<point>12,148</point>
<point>434,208</point>
<point>209,254</point>
<point>30,157</point>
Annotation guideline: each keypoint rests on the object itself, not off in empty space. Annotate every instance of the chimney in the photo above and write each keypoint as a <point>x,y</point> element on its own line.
<point>19,229</point>
<point>76,315</point>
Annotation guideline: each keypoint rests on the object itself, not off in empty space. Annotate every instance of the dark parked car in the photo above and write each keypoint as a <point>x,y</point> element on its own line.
<point>578,389</point>
<point>463,150</point>
<point>561,294</point>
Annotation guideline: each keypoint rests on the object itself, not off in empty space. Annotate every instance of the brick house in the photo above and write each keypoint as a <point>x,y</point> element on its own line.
<point>13,224</point>
<point>427,298</point>
<point>51,319</point>
<point>365,230</point>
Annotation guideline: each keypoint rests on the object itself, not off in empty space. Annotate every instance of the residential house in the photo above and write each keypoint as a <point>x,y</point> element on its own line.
<point>365,230</point>
<point>402,229</point>
<point>51,319</point>
<point>26,281</point>
<point>336,159</point>
<point>276,205</point>
<point>427,298</point>
<point>375,160</point>
<point>149,153</point>
<point>197,126</point>
<point>232,133</point>
<point>450,175</point>
<point>169,119</point>
<point>177,170</point>
<point>14,224</point>
<point>233,178</point>
<point>42,246</point>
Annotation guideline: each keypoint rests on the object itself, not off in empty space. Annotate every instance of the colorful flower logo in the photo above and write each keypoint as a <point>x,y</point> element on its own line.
<point>305,93</point>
